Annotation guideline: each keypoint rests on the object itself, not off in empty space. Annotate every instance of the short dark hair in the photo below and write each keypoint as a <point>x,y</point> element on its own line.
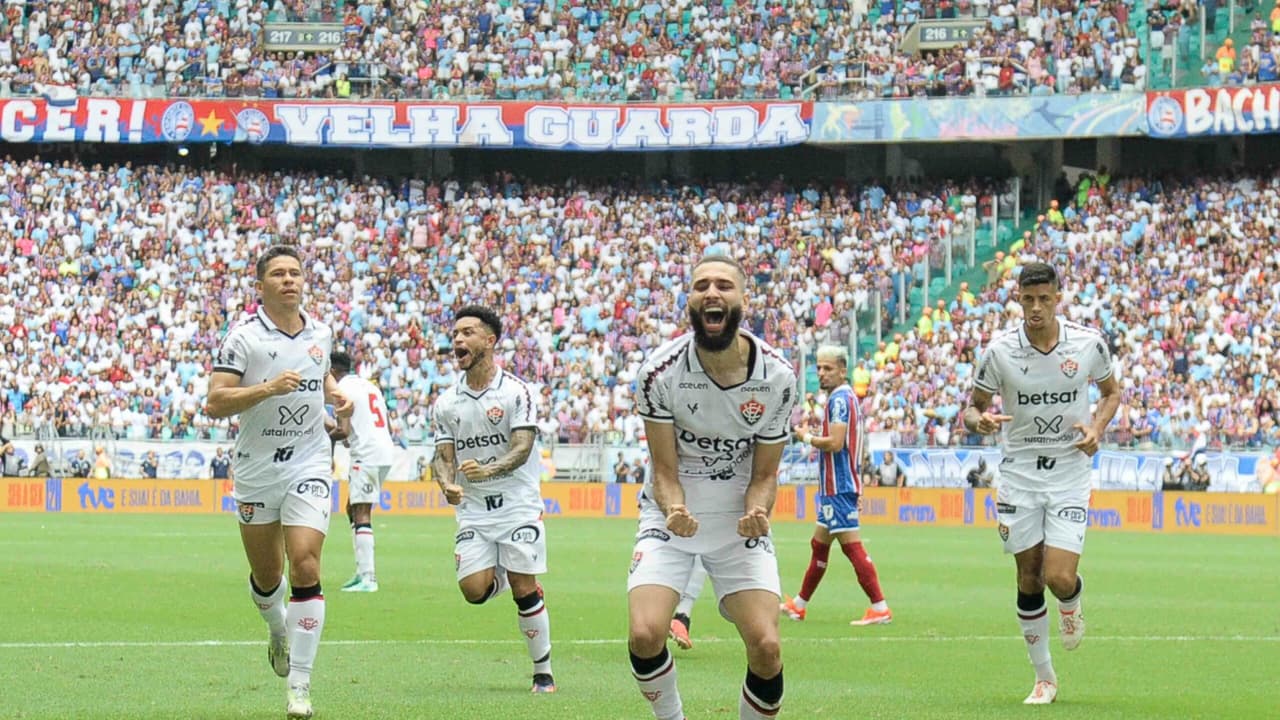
<point>484,315</point>
<point>727,260</point>
<point>1038,273</point>
<point>274,252</point>
<point>340,361</point>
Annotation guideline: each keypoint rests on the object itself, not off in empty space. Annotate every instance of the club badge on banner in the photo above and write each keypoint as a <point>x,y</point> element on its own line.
<point>551,126</point>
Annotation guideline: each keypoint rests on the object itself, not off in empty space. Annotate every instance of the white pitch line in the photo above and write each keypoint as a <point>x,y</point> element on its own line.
<point>619,641</point>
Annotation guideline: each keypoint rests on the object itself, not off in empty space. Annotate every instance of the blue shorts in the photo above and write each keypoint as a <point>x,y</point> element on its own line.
<point>839,512</point>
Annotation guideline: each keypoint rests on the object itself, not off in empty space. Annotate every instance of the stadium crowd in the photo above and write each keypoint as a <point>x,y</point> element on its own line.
<point>123,279</point>
<point>1183,277</point>
<point>117,282</point>
<point>573,50</point>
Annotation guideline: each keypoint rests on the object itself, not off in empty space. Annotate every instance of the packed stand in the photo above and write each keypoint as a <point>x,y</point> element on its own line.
<point>1181,275</point>
<point>116,283</point>
<point>574,50</point>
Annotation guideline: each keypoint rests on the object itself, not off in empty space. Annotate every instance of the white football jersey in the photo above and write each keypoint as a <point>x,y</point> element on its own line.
<point>479,426</point>
<point>282,439</point>
<point>1047,394</point>
<point>717,428</point>
<point>370,439</point>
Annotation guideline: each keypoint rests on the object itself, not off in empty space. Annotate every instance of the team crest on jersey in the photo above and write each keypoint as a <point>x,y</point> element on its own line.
<point>316,354</point>
<point>752,410</point>
<point>1069,368</point>
<point>1004,532</point>
<point>495,414</point>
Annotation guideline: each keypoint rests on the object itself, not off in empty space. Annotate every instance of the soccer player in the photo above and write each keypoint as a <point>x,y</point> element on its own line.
<point>487,464</point>
<point>1041,371</point>
<point>272,371</point>
<point>840,450</point>
<point>716,406</point>
<point>372,453</point>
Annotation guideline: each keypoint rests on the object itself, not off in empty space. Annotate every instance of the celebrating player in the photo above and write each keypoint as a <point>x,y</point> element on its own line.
<point>840,449</point>
<point>371,455</point>
<point>487,465</point>
<point>272,371</point>
<point>1042,372</point>
<point>716,406</point>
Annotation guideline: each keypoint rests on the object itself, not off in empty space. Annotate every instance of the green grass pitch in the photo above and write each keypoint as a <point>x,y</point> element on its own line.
<point>147,617</point>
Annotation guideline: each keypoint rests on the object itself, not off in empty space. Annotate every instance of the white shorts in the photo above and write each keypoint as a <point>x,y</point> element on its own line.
<point>733,563</point>
<point>1029,517</point>
<point>520,547</point>
<point>366,483</point>
<point>304,503</point>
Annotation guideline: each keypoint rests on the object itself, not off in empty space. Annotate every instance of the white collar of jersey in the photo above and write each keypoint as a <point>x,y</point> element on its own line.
<point>307,322</point>
<point>463,387</point>
<point>1024,339</point>
<point>755,363</point>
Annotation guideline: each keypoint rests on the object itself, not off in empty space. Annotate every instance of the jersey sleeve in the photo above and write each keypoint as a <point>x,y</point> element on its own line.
<point>652,399</point>
<point>838,410</point>
<point>988,376</point>
<point>1102,367</point>
<point>777,425</point>
<point>233,355</point>
<point>524,408</point>
<point>442,427</point>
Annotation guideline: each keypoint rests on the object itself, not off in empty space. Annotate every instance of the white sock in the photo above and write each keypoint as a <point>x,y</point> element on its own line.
<point>659,687</point>
<point>1072,604</point>
<point>800,602</point>
<point>364,552</point>
<point>270,607</point>
<point>1035,631</point>
<point>306,622</point>
<point>536,627</point>
<point>880,606</point>
<point>693,588</point>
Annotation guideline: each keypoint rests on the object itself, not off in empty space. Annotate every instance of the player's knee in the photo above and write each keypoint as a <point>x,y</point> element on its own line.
<point>1062,582</point>
<point>764,655</point>
<point>475,594</point>
<point>647,641</point>
<point>1030,583</point>
<point>304,570</point>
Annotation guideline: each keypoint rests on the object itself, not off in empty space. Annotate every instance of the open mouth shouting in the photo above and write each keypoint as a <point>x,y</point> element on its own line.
<point>463,355</point>
<point>715,319</point>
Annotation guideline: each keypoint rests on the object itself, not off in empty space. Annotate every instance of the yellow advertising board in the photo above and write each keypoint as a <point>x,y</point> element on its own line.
<point>1173,512</point>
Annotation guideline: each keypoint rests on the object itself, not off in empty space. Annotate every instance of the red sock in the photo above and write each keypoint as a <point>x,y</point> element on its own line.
<point>817,568</point>
<point>865,569</point>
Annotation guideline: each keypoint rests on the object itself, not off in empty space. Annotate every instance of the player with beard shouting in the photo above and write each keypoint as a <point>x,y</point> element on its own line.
<point>716,405</point>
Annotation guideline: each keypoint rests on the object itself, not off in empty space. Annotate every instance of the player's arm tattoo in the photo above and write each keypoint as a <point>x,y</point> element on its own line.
<point>521,445</point>
<point>979,402</point>
<point>444,464</point>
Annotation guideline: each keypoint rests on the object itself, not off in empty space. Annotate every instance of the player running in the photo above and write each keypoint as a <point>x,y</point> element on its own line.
<point>1042,371</point>
<point>372,453</point>
<point>487,464</point>
<point>272,371</point>
<point>840,448</point>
